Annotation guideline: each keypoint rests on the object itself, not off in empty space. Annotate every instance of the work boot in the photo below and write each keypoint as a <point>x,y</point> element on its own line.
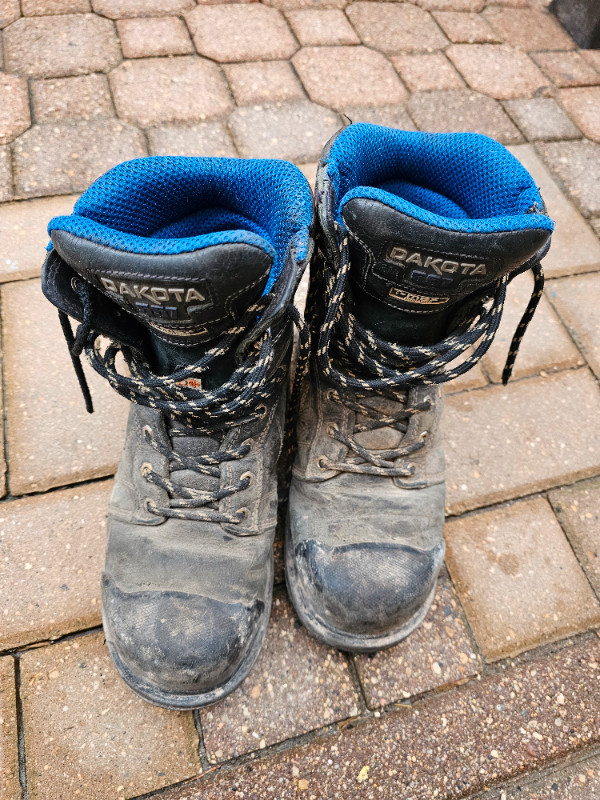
<point>419,235</point>
<point>188,266</point>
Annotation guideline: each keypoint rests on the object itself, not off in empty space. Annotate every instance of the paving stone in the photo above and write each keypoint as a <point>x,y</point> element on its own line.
<point>10,788</point>
<point>66,157</point>
<point>290,5</point>
<point>205,139</point>
<point>183,89</point>
<point>567,68</point>
<point>462,111</point>
<point>541,118</point>
<point>392,116</point>
<point>395,27</point>
<point>58,46</point>
<point>296,685</point>
<point>240,32</point>
<point>117,9</point>
<point>425,72</point>
<point>9,11</point>
<point>517,578</point>
<point>576,299</point>
<point>528,28</point>
<point>88,735</point>
<point>439,653</point>
<point>593,57</point>
<point>43,8</point>
<point>465,27</point>
<point>574,247</point>
<point>497,70</point>
<point>505,442</point>
<point>294,131</point>
<point>6,181</point>
<point>452,5</point>
<point>347,76</point>
<point>14,107</point>
<point>51,438</point>
<point>83,97</point>
<point>322,27</point>
<point>450,746</point>
<point>52,550</point>
<point>263,82</point>
<point>584,107</point>
<point>472,379</point>
<point>579,781</point>
<point>577,165</point>
<point>595,223</point>
<point>24,235</point>
<point>154,36</point>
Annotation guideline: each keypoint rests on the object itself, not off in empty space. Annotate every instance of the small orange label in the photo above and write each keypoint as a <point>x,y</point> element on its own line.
<point>190,383</point>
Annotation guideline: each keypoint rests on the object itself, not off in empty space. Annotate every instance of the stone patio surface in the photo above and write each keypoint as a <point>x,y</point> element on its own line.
<point>497,694</point>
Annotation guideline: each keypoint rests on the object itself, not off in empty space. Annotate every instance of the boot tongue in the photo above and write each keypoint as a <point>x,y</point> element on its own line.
<point>410,277</point>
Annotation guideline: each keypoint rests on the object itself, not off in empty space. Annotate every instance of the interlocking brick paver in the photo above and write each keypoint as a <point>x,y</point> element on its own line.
<point>577,300</point>
<point>9,11</point>
<point>51,438</point>
<point>437,654</point>
<point>291,5</point>
<point>393,116</point>
<point>88,735</point>
<point>14,107</point>
<point>449,746</point>
<point>578,509</point>
<point>154,36</point>
<point>593,57</point>
<point>240,32</point>
<point>465,27</point>
<point>473,378</point>
<point>567,68</point>
<point>296,685</point>
<point>517,578</point>
<point>472,6</point>
<point>583,104</point>
<point>462,111</point>
<point>541,118</point>
<point>52,550</point>
<point>149,91</point>
<point>310,173</point>
<point>424,72</point>
<point>395,27</point>
<point>577,164</point>
<point>497,70</point>
<point>6,181</point>
<point>262,82</point>
<point>579,781</point>
<point>66,157</point>
<point>295,131</point>
<point>322,27</point>
<point>117,9</point>
<point>346,76</point>
<point>83,97</point>
<point>574,247</point>
<point>10,788</point>
<point>57,46</point>
<point>42,8</point>
<point>24,236</point>
<point>528,28</point>
<point>205,139</point>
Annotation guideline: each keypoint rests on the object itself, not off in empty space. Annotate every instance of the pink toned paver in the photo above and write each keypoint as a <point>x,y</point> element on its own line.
<point>10,787</point>
<point>576,299</point>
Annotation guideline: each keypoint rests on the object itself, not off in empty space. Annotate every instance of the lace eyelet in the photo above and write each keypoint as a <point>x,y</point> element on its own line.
<point>147,503</point>
<point>424,435</point>
<point>145,469</point>
<point>243,514</point>
<point>147,430</point>
<point>332,429</point>
<point>321,463</point>
<point>329,394</point>
<point>249,476</point>
<point>74,284</point>
<point>263,410</point>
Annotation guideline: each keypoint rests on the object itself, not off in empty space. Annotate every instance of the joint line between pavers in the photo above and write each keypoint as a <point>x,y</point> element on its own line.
<point>202,751</point>
<point>20,732</point>
<point>18,651</point>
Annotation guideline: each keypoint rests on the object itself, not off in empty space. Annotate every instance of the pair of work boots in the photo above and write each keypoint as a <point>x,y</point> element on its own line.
<point>189,267</point>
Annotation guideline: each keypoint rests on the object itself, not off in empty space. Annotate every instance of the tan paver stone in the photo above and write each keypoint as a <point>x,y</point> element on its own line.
<point>295,131</point>
<point>567,68</point>
<point>65,157</point>
<point>541,118</point>
<point>9,11</point>
<point>6,179</point>
<point>450,746</point>
<point>263,82</point>
<point>583,104</point>
<point>88,735</point>
<point>472,379</point>
<point>439,653</point>
<point>579,781</point>
<point>52,550</point>
<point>393,116</point>
<point>51,438</point>
<point>24,235</point>
<point>595,223</point>
<point>322,27</point>
<point>240,32</point>
<point>14,107</point>
<point>154,36</point>
<point>43,8</point>
<point>577,300</point>
<point>574,247</point>
<point>505,442</point>
<point>452,5</point>
<point>204,139</point>
<point>2,443</point>
<point>425,72</point>
<point>462,111</point>
<point>83,97</point>
<point>290,5</point>
<point>183,89</point>
<point>10,788</point>
<point>395,27</point>
<point>593,57</point>
<point>348,76</point>
<point>497,70</point>
<point>57,46</point>
<point>577,165</point>
<point>296,685</point>
<point>529,28</point>
<point>517,578</point>
<point>465,27</point>
<point>578,510</point>
<point>116,9</point>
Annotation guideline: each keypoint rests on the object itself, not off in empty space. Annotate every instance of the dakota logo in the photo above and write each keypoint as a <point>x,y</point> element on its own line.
<point>399,255</point>
<point>153,294</point>
<point>421,299</point>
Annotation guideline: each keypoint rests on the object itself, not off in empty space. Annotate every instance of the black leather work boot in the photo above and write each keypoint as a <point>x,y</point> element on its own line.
<point>188,266</point>
<point>419,235</point>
